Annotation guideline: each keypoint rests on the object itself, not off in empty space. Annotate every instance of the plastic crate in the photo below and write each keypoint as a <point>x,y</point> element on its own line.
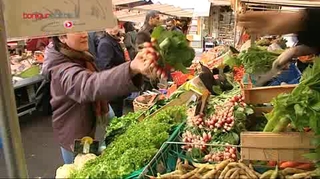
<point>141,173</point>
<point>290,76</point>
<point>165,160</point>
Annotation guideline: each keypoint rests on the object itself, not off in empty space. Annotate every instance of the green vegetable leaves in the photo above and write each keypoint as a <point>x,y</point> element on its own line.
<point>134,148</point>
<point>173,48</point>
<point>301,107</point>
<point>254,60</point>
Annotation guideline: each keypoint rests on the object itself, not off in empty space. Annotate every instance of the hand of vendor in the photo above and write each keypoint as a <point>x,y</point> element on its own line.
<point>144,62</point>
<point>281,62</point>
<point>290,53</point>
<point>271,23</point>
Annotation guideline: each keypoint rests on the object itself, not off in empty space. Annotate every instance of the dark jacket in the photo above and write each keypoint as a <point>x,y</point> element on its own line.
<point>74,89</point>
<point>93,40</point>
<point>109,53</point>
<point>130,43</point>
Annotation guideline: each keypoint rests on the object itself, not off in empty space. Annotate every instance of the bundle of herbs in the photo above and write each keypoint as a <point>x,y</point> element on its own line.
<point>174,50</point>
<point>119,125</point>
<point>254,60</point>
<point>300,108</point>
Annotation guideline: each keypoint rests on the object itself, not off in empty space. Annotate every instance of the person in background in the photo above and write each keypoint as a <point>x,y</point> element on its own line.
<point>303,23</point>
<point>94,38</point>
<point>151,21</point>
<point>109,55</point>
<point>38,44</point>
<point>79,92</point>
<point>171,25</point>
<point>130,38</point>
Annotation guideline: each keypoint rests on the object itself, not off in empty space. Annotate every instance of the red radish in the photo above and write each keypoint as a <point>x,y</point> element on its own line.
<point>159,71</point>
<point>163,75</point>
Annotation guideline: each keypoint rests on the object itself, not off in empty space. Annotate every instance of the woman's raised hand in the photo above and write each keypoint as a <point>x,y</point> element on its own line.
<point>145,62</point>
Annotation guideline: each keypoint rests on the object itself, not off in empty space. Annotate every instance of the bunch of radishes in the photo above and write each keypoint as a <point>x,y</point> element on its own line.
<point>229,153</point>
<point>160,68</point>
<point>196,141</point>
<point>197,121</point>
<point>223,117</point>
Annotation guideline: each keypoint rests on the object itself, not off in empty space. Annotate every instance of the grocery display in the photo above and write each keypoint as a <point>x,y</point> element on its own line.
<point>226,115</point>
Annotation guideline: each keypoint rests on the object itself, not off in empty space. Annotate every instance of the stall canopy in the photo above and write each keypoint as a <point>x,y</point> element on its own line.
<point>123,2</point>
<point>138,13</point>
<point>292,3</point>
<point>220,2</point>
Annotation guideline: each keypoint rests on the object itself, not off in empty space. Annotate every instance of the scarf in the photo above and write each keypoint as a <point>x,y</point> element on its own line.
<point>101,107</point>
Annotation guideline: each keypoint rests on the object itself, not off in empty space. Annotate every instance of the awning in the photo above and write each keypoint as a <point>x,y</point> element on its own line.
<point>122,2</point>
<point>291,3</point>
<point>220,2</point>
<point>167,9</point>
<point>133,16</point>
<point>138,13</point>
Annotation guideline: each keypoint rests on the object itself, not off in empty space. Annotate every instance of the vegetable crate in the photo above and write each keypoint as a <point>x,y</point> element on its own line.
<point>268,146</point>
<point>182,99</point>
<point>260,96</point>
<point>265,146</point>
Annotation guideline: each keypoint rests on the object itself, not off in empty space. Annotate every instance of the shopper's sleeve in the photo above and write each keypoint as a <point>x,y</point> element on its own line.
<point>82,86</point>
<point>310,36</point>
<point>105,54</point>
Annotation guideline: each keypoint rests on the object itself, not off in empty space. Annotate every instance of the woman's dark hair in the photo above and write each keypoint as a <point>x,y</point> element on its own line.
<point>142,37</point>
<point>151,14</point>
<point>128,27</point>
<point>170,20</point>
<point>56,43</point>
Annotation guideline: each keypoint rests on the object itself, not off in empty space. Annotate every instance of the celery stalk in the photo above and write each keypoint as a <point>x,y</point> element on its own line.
<point>282,124</point>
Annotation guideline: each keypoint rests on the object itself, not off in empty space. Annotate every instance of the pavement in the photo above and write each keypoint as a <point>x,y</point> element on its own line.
<point>41,151</point>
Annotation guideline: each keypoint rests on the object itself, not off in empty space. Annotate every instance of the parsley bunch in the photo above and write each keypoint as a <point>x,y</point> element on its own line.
<point>133,149</point>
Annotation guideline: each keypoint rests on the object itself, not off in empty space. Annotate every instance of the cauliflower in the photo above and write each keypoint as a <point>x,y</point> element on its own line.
<point>65,170</point>
<point>82,159</point>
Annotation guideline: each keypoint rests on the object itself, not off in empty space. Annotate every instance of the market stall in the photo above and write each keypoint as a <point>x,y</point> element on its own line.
<point>228,124</point>
<point>26,78</point>
<point>214,121</point>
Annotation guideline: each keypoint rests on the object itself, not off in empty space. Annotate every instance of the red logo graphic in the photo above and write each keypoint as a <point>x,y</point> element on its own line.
<point>68,24</point>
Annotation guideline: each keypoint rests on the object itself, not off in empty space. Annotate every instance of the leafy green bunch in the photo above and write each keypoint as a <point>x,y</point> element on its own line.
<point>254,60</point>
<point>118,125</point>
<point>301,107</point>
<point>173,48</point>
<point>133,149</point>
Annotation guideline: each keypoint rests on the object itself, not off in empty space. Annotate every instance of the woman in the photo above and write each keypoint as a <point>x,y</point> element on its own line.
<point>79,92</point>
<point>109,55</point>
<point>130,38</point>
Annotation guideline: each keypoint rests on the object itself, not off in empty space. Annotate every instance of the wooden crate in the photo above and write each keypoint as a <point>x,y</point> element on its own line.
<point>268,146</point>
<point>263,95</point>
<point>182,99</point>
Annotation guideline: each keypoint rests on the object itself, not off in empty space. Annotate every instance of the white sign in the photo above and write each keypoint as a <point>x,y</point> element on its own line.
<point>34,18</point>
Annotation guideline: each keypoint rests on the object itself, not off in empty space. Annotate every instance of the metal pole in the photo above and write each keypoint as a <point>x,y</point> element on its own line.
<point>9,122</point>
